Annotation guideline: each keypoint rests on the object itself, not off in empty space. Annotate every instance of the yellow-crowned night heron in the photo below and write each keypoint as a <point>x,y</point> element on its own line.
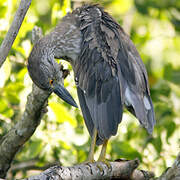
<point>108,70</point>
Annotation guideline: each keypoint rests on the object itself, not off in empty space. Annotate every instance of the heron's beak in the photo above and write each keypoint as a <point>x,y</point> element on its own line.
<point>64,94</point>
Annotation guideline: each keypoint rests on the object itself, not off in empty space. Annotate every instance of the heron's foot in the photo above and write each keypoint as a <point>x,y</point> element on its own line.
<point>102,156</point>
<point>88,161</point>
<point>104,161</point>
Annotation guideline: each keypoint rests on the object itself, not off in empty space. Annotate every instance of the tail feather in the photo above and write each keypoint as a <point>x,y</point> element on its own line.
<point>151,116</point>
<point>142,108</point>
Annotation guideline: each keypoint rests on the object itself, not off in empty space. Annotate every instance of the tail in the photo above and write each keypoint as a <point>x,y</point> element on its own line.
<point>141,108</point>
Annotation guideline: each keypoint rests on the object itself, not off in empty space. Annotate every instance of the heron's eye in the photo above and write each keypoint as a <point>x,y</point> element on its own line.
<point>50,81</point>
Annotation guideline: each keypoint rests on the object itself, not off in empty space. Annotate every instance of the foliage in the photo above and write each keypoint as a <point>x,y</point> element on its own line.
<point>154,27</point>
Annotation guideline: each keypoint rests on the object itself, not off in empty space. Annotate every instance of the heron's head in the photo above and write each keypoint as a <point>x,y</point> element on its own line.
<point>46,73</point>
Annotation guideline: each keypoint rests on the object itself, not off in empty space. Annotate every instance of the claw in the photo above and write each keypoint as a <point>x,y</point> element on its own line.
<point>88,161</point>
<point>104,161</point>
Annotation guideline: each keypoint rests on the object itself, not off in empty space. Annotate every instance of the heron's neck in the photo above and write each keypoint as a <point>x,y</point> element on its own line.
<point>65,40</point>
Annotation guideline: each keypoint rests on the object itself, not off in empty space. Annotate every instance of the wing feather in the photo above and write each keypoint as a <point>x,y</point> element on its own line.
<point>110,74</point>
<point>136,80</point>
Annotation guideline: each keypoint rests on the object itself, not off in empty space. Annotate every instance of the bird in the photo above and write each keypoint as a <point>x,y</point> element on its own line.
<point>108,72</point>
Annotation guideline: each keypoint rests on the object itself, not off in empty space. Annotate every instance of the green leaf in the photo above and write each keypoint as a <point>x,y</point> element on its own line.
<point>62,114</point>
<point>4,108</point>
<point>21,74</point>
<point>157,143</point>
<point>35,148</point>
<point>55,13</point>
<point>5,72</point>
<point>170,127</point>
<point>4,105</point>
<point>162,88</point>
<point>2,11</point>
<point>125,150</point>
<point>8,113</point>
<point>163,112</point>
<point>172,74</point>
<point>81,155</point>
<point>12,90</point>
<point>12,97</point>
<point>14,87</point>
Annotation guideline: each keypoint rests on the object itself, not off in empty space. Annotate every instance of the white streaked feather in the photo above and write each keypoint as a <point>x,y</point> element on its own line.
<point>146,103</point>
<point>128,100</point>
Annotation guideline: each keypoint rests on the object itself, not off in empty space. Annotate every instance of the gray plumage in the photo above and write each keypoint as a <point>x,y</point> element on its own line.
<point>108,70</point>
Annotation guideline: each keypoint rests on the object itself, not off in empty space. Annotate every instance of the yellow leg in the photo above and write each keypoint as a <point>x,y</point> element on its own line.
<point>102,156</point>
<point>92,147</point>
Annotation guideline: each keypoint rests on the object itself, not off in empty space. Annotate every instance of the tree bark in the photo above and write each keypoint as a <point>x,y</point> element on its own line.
<point>172,173</point>
<point>13,30</point>
<point>121,169</point>
<point>25,127</point>
<point>23,130</point>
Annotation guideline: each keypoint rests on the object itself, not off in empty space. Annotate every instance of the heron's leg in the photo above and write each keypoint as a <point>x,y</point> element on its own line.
<point>102,156</point>
<point>92,147</point>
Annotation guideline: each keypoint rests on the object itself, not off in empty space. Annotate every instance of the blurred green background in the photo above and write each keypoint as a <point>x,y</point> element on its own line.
<point>154,27</point>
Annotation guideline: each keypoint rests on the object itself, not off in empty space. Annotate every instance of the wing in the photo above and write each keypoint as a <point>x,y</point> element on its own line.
<point>110,73</point>
<point>131,73</point>
<point>99,96</point>
<point>97,79</point>
<point>137,94</point>
<point>135,80</point>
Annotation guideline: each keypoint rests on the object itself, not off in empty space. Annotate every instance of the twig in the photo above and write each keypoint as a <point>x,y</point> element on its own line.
<point>13,30</point>
<point>31,165</point>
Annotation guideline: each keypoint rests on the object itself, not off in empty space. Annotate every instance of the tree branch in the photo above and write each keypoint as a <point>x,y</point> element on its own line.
<point>172,173</point>
<point>25,127</point>
<point>23,130</point>
<point>13,30</point>
<point>31,165</point>
<point>122,170</point>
